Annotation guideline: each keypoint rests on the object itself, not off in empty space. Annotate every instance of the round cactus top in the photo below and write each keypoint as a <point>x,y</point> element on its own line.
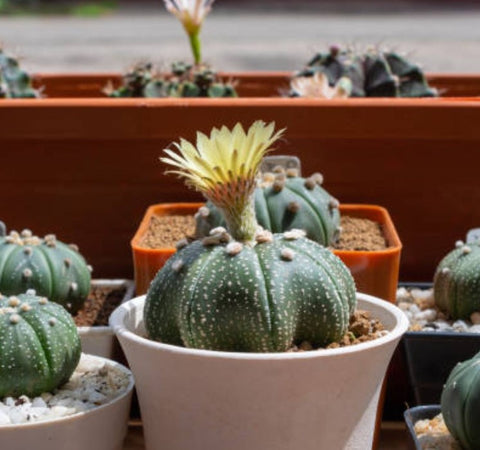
<point>14,306</point>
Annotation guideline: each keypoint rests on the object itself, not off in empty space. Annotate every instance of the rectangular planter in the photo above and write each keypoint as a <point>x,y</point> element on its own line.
<point>94,161</point>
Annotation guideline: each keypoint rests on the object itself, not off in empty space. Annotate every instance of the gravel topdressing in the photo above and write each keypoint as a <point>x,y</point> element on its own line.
<point>434,435</point>
<point>94,383</point>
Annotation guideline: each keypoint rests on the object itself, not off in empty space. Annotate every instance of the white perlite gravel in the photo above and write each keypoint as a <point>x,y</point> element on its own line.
<point>434,435</point>
<point>93,383</point>
<point>419,306</point>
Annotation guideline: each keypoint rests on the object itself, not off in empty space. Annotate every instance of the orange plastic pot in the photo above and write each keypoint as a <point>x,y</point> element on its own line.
<point>375,272</point>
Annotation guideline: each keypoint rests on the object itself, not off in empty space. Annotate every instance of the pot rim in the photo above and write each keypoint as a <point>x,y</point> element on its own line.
<point>75,416</point>
<point>400,327</point>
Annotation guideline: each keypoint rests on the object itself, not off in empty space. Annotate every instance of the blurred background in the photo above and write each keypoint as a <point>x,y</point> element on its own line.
<point>110,35</point>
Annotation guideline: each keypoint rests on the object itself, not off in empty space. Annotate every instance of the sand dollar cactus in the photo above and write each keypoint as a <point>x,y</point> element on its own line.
<point>461,403</point>
<point>457,281</point>
<point>243,288</point>
<point>54,269</point>
<point>39,345</point>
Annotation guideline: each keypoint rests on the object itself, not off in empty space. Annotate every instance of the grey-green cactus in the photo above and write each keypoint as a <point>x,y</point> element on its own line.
<point>457,281</point>
<point>373,73</point>
<point>285,201</point>
<point>54,269</point>
<point>14,82</point>
<point>39,345</point>
<point>184,81</point>
<point>245,289</point>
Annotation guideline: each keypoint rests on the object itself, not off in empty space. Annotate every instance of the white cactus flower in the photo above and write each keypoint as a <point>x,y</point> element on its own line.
<point>318,87</point>
<point>191,13</point>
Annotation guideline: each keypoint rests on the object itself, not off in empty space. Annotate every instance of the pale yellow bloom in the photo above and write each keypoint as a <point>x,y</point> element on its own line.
<point>318,87</point>
<point>191,13</point>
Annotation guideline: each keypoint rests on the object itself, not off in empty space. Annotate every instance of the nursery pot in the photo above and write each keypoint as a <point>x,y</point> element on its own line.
<point>413,415</point>
<point>375,272</point>
<point>325,399</point>
<point>102,428</point>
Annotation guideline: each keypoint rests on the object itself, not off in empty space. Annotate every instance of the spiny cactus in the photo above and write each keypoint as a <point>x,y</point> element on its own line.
<point>14,82</point>
<point>184,81</point>
<point>244,288</point>
<point>54,269</point>
<point>39,345</point>
<point>460,403</point>
<point>373,73</point>
<point>285,201</point>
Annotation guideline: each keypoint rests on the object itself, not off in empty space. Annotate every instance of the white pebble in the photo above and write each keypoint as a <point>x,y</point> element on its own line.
<point>403,295</point>
<point>4,419</point>
<point>460,325</point>
<point>428,315</point>
<point>38,402</point>
<point>474,329</point>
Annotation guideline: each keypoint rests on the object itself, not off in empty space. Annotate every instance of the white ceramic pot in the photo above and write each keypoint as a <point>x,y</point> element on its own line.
<point>102,428</point>
<point>199,399</point>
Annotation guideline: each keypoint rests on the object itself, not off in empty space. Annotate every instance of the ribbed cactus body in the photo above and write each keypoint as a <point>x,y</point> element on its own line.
<point>14,82</point>
<point>232,297</point>
<point>54,269</point>
<point>457,282</point>
<point>461,403</point>
<point>284,203</point>
<point>39,345</point>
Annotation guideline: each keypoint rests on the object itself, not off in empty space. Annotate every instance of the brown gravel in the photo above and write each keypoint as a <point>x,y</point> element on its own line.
<point>360,234</point>
<point>166,231</point>
<point>99,305</point>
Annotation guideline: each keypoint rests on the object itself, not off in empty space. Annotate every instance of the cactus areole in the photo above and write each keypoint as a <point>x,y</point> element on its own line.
<point>457,281</point>
<point>39,345</point>
<point>243,288</point>
<point>55,270</point>
<point>461,403</point>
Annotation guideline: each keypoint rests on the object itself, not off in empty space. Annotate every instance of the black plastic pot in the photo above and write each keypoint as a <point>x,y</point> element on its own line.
<point>415,414</point>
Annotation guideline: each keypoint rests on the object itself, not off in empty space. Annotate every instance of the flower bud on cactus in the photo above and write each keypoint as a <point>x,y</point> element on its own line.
<point>243,288</point>
<point>374,73</point>
<point>14,82</point>
<point>39,345</point>
<point>54,269</point>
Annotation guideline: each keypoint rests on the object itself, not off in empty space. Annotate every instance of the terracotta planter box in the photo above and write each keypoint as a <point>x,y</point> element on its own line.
<point>375,272</point>
<point>91,164</point>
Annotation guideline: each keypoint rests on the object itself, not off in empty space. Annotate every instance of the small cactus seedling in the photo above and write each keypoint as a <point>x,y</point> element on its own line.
<point>14,82</point>
<point>373,73</point>
<point>243,288</point>
<point>54,269</point>
<point>183,81</point>
<point>457,281</point>
<point>285,201</point>
<point>39,345</point>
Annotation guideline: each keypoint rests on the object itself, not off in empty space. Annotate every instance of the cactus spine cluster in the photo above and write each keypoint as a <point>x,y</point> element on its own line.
<point>14,82</point>
<point>461,403</point>
<point>457,281</point>
<point>373,73</point>
<point>285,201</point>
<point>39,345</point>
<point>54,269</point>
<point>243,288</point>
<point>184,81</point>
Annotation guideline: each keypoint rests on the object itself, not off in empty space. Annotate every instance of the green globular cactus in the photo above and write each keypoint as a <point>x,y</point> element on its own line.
<point>14,82</point>
<point>39,345</point>
<point>54,269</point>
<point>457,281</point>
<point>373,73</point>
<point>285,201</point>
<point>460,403</point>
<point>184,81</point>
<point>244,288</point>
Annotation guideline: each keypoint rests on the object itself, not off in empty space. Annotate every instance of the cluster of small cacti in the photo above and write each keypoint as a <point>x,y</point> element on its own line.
<point>457,281</point>
<point>285,201</point>
<point>184,81</point>
<point>243,288</point>
<point>373,73</point>
<point>39,345</point>
<point>54,269</point>
<point>14,82</point>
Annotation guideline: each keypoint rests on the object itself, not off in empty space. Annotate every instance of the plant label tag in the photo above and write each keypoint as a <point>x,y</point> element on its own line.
<point>285,161</point>
<point>473,235</point>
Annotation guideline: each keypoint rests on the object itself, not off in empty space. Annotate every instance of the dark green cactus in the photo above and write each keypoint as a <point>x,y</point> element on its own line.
<point>457,281</point>
<point>461,403</point>
<point>14,82</point>
<point>285,201</point>
<point>184,81</point>
<point>374,73</point>
<point>39,345</point>
<point>54,269</point>
<point>245,289</point>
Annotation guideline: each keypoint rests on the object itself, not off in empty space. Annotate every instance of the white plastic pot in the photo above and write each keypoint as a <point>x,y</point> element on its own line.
<point>199,399</point>
<point>102,428</point>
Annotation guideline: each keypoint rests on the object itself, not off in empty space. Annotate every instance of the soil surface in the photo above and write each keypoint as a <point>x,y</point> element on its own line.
<point>166,231</point>
<point>99,305</point>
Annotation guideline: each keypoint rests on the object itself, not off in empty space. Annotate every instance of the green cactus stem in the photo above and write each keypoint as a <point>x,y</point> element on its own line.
<point>39,345</point>
<point>14,82</point>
